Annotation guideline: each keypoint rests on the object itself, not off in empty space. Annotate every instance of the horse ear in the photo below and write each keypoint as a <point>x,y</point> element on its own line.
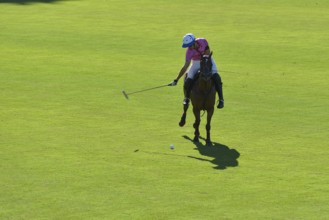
<point>210,54</point>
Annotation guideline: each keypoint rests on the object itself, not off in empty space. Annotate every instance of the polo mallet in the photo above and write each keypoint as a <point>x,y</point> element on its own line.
<point>127,94</point>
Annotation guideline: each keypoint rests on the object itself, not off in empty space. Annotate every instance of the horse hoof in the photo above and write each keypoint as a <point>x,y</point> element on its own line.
<point>182,120</point>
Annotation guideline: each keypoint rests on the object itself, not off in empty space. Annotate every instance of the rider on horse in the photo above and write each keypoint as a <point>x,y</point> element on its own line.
<point>197,47</point>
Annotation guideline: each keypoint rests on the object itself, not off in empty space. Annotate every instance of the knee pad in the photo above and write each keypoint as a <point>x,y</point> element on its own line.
<point>188,83</point>
<point>216,77</point>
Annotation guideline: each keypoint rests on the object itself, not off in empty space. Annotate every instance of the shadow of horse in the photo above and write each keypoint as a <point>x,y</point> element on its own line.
<point>222,155</point>
<point>23,2</point>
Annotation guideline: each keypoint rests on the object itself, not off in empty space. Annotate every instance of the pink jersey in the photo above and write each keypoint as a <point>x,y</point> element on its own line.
<point>195,54</point>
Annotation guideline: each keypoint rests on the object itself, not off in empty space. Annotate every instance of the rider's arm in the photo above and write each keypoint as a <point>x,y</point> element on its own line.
<point>183,70</point>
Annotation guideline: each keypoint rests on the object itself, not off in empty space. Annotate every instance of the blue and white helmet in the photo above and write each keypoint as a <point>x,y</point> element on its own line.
<point>188,40</point>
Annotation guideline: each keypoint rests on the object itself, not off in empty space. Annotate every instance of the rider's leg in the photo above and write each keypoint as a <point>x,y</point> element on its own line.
<point>218,83</point>
<point>219,88</point>
<point>188,84</point>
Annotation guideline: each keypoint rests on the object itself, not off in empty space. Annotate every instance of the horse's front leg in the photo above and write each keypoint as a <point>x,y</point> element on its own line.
<point>210,112</point>
<point>196,125</point>
<point>183,118</point>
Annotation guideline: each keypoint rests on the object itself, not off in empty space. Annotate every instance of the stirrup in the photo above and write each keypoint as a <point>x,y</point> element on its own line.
<point>220,104</point>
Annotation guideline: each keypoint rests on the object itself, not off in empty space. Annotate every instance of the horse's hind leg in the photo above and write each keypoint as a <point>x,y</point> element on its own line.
<point>196,125</point>
<point>210,112</point>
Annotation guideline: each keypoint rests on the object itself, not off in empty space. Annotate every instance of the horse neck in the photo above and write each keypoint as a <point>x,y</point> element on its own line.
<point>204,85</point>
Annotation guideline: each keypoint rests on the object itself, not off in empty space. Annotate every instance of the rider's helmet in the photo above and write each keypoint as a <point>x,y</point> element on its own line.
<point>188,40</point>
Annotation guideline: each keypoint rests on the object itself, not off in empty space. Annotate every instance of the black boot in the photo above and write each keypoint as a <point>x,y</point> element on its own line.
<point>188,84</point>
<point>219,88</point>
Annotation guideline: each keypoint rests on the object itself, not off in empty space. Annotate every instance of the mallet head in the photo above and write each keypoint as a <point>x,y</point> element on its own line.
<point>125,94</point>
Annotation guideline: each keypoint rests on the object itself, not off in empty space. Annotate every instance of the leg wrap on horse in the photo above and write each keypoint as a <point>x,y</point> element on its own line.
<point>188,87</point>
<point>218,85</point>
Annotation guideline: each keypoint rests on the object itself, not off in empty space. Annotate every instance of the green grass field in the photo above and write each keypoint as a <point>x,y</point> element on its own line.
<point>72,147</point>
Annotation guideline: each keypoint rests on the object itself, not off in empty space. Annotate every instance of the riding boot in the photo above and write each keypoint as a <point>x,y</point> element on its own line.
<point>219,88</point>
<point>187,91</point>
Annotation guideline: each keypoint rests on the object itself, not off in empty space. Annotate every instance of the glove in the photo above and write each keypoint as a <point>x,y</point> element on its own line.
<point>174,83</point>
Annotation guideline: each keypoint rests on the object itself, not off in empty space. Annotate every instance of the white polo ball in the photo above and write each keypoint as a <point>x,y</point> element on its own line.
<point>172,146</point>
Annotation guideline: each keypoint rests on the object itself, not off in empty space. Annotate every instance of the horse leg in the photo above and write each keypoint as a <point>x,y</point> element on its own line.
<point>196,125</point>
<point>210,112</point>
<point>188,84</point>
<point>183,118</point>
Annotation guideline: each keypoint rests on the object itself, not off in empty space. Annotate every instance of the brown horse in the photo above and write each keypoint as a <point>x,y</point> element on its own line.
<point>203,96</point>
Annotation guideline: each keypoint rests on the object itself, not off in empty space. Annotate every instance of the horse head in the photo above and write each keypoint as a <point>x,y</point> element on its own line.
<point>206,67</point>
